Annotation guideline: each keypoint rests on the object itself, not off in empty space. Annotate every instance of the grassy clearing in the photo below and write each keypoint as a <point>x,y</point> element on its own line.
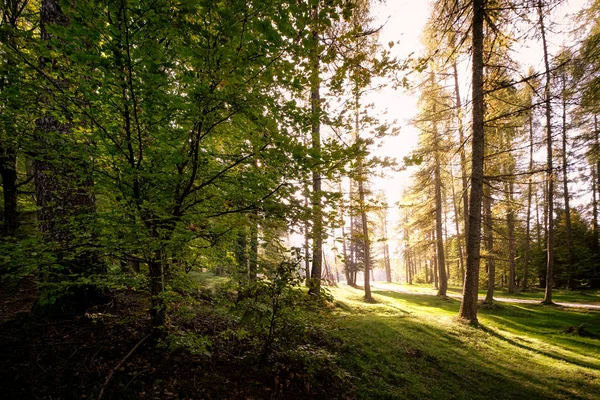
<point>411,346</point>
<point>561,296</point>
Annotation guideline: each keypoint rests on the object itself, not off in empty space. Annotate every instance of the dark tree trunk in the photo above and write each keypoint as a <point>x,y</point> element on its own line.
<point>307,243</point>
<point>253,256</point>
<point>315,102</point>
<point>64,190</point>
<point>510,223</point>
<point>8,172</point>
<point>468,307</point>
<point>158,311</point>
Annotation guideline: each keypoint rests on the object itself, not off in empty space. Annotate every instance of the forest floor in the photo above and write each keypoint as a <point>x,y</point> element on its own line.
<point>401,346</point>
<point>589,299</point>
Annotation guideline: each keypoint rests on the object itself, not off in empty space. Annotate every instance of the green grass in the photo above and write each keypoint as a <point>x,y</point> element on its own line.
<point>565,296</point>
<point>208,279</point>
<point>411,346</point>
<point>408,346</point>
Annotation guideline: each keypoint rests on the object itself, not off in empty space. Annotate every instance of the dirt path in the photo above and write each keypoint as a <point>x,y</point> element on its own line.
<point>502,299</point>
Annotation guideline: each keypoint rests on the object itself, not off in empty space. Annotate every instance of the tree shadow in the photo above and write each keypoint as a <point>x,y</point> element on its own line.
<point>490,331</point>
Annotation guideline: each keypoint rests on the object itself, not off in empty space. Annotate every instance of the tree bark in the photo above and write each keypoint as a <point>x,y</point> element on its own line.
<point>463,158</point>
<point>8,172</point>
<point>458,235</point>
<point>549,167</point>
<point>439,235</point>
<point>570,274</point>
<point>468,307</point>
<point>315,102</point>
<point>528,213</point>
<point>253,256</point>
<point>64,190</point>
<point>488,237</point>
<point>510,224</point>
<point>386,250</point>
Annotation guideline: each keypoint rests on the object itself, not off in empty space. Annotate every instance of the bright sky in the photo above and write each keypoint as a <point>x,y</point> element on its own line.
<point>403,22</point>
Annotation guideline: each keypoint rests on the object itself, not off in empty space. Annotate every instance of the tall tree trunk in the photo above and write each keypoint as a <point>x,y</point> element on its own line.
<point>306,243</point>
<point>344,246</point>
<point>463,157</point>
<point>549,167</point>
<point>156,273</point>
<point>457,227</point>
<point>439,235</point>
<point>64,189</point>
<point>595,211</point>
<point>253,255</point>
<point>596,189</point>
<point>362,207</point>
<point>408,259</point>
<point>315,101</point>
<point>8,172</point>
<point>510,224</point>
<point>352,263</point>
<point>565,166</point>
<point>8,147</point>
<point>386,250</point>
<point>528,212</point>
<point>468,306</point>
<point>488,241</point>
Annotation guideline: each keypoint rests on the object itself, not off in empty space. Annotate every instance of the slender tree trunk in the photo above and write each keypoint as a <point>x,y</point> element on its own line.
<point>352,236</point>
<point>468,306</point>
<point>510,224</point>
<point>306,244</point>
<point>8,172</point>
<point>8,150</point>
<point>595,210</point>
<point>488,238</point>
<point>386,250</point>
<point>596,187</point>
<point>571,266</point>
<point>344,246</point>
<point>528,212</point>
<point>463,157</point>
<point>158,311</point>
<point>549,167</point>
<point>253,256</point>
<point>439,235</point>
<point>363,212</point>
<point>458,235</point>
<point>315,101</point>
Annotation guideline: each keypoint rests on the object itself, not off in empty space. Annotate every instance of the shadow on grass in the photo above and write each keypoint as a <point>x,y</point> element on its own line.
<point>425,300</point>
<point>570,360</point>
<point>407,358</point>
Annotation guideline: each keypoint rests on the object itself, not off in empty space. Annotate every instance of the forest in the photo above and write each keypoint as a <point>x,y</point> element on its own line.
<point>198,200</point>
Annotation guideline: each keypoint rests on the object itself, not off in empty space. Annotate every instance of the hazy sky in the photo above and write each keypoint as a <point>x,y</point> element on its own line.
<point>403,22</point>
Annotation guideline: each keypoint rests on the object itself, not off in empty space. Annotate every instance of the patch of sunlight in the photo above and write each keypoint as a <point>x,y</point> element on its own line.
<point>546,353</point>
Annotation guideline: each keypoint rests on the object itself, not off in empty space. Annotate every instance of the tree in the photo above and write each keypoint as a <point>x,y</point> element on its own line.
<point>468,307</point>
<point>549,162</point>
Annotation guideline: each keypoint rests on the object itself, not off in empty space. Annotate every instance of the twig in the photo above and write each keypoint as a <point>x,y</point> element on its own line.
<point>112,372</point>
